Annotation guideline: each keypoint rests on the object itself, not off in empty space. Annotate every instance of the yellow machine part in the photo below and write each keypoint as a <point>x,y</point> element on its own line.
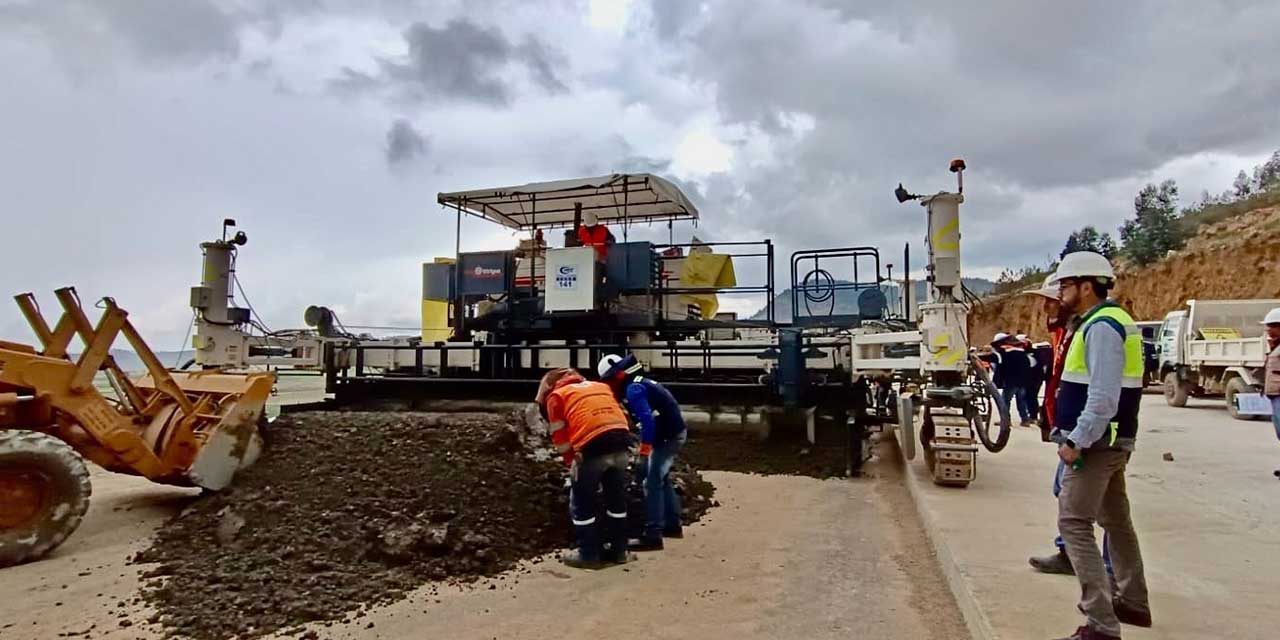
<point>435,315</point>
<point>708,270</point>
<point>190,429</point>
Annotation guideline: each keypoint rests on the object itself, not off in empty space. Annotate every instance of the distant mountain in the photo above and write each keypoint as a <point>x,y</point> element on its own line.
<point>847,300</point>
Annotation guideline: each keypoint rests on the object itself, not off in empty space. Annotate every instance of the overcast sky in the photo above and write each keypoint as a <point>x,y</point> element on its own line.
<point>130,128</point>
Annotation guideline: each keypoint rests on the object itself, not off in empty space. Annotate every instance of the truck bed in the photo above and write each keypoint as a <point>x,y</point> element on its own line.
<point>1240,352</point>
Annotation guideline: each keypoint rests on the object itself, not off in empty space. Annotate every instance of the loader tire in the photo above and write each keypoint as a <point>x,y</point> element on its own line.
<point>44,493</point>
<point>1175,393</point>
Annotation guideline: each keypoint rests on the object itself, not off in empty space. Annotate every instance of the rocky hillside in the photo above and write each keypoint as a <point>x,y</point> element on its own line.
<point>1235,258</point>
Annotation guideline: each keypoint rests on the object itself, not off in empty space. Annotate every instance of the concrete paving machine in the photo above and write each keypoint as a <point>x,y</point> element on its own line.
<point>495,321</point>
<point>187,429</point>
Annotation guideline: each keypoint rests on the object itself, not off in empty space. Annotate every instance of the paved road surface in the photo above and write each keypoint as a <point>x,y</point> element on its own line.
<point>1207,522</point>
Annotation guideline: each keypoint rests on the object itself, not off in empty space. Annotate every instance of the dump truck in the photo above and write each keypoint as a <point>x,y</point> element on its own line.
<point>1214,347</point>
<point>193,429</point>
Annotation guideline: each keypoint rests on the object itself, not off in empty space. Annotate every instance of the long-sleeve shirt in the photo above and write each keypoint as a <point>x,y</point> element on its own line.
<point>1104,353</point>
<point>655,409</point>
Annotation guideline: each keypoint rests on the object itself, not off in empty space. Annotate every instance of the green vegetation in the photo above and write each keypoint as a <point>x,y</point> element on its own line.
<point>1154,231</point>
<point>1089,239</point>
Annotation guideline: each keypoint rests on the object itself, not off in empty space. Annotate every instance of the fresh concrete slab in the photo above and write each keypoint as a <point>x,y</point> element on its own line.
<point>1208,522</point>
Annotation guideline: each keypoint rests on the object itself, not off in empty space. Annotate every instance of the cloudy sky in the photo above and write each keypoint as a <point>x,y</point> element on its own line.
<point>130,128</point>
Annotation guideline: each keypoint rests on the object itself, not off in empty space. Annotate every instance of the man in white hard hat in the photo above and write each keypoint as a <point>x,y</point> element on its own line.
<point>1096,424</point>
<point>1050,356</point>
<point>1271,376</point>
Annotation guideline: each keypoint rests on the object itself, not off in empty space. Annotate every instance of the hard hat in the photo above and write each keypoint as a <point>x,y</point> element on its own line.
<point>1022,337</point>
<point>612,367</point>
<point>606,363</point>
<point>1049,289</point>
<point>1083,264</point>
<point>1273,316</point>
<point>1000,337</point>
<point>551,379</point>
<point>590,219</point>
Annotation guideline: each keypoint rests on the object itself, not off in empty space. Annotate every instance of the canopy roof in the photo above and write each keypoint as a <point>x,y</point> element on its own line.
<point>620,197</point>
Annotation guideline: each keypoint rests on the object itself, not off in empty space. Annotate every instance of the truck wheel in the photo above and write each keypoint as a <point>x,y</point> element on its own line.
<point>1175,393</point>
<point>44,493</point>
<point>1236,386</point>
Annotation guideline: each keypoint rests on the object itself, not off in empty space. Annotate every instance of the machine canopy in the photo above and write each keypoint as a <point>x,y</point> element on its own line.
<point>618,198</point>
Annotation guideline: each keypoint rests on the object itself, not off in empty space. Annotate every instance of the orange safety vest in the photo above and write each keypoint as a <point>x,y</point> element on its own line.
<point>598,237</point>
<point>1057,341</point>
<point>579,411</point>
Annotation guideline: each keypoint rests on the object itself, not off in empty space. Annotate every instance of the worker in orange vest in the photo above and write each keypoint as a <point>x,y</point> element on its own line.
<point>593,234</point>
<point>589,429</point>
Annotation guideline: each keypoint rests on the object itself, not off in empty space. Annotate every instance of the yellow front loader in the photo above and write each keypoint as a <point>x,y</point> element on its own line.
<point>186,429</point>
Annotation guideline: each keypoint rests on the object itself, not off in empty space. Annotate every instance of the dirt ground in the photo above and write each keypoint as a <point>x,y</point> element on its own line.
<point>783,556</point>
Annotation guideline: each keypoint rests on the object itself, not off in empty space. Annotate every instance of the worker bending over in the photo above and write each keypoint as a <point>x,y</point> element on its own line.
<point>662,434</point>
<point>1096,424</point>
<point>589,429</point>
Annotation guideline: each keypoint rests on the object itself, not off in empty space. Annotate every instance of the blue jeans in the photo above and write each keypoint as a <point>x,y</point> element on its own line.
<point>1057,542</point>
<point>588,475</point>
<point>662,505</point>
<point>1024,407</point>
<point>1275,414</point>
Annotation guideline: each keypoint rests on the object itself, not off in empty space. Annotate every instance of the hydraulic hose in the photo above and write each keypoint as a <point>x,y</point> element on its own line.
<point>983,427</point>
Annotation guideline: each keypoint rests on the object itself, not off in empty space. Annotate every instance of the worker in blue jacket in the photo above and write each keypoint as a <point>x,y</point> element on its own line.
<point>662,434</point>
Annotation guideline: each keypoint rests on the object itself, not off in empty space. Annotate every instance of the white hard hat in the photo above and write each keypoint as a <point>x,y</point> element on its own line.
<point>607,363</point>
<point>1022,337</point>
<point>1273,316</point>
<point>590,219</point>
<point>1000,337</point>
<point>1049,289</point>
<point>1083,264</point>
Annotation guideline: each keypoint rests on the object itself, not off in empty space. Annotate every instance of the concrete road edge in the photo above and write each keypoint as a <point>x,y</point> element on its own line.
<point>974,617</point>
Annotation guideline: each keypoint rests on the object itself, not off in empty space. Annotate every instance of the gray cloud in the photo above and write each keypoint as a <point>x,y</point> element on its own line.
<point>671,18</point>
<point>1040,98</point>
<point>404,143</point>
<point>459,61</point>
<point>82,32</point>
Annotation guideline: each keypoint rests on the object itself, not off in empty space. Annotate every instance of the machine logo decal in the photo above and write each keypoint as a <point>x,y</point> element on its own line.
<point>481,272</point>
<point>567,277</point>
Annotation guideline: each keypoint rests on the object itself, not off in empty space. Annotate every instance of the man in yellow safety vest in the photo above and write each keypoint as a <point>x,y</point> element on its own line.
<point>1096,425</point>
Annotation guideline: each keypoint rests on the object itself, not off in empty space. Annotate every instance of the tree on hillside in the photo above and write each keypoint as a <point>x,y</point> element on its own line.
<point>1266,176</point>
<point>1243,186</point>
<point>1089,239</point>
<point>1154,230</point>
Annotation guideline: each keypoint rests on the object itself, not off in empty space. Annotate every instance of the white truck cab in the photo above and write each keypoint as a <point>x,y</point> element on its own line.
<point>1214,347</point>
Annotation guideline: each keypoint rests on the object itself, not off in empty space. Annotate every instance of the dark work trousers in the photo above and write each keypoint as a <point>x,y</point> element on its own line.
<point>588,475</point>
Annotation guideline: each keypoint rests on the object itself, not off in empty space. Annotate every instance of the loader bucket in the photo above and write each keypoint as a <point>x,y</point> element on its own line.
<point>229,409</point>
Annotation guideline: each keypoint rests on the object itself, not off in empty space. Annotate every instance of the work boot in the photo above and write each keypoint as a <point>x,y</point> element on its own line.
<point>1056,563</point>
<point>646,544</point>
<point>574,559</point>
<point>674,533</point>
<point>1131,614</point>
<point>619,558</point>
<point>1086,633</point>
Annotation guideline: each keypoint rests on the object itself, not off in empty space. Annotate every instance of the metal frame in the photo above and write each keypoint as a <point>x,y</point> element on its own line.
<point>816,256</point>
